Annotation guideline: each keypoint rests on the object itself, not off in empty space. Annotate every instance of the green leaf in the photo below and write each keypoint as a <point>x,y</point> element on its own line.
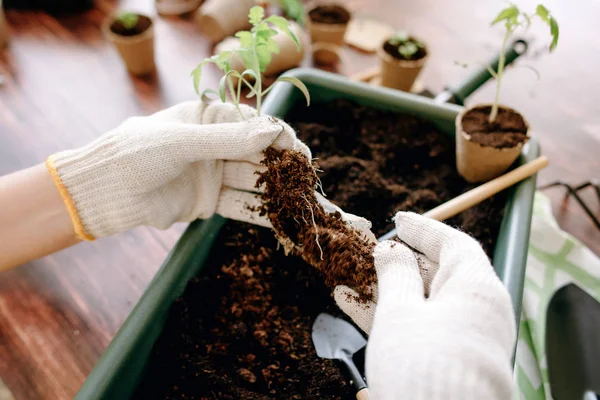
<point>224,82</point>
<point>264,57</point>
<point>246,55</point>
<point>197,74</point>
<point>256,15</point>
<point>527,20</point>
<point>543,12</point>
<point>206,92</point>
<point>271,46</point>
<point>251,73</point>
<point>222,60</point>
<point>245,38</point>
<point>554,31</point>
<point>508,14</point>
<point>284,26</point>
<point>298,83</point>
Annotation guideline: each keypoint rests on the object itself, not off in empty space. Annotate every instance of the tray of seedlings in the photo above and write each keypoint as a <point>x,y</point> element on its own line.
<point>229,315</point>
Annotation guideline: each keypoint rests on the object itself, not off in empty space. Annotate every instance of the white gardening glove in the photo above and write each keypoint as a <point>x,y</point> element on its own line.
<point>457,343</point>
<point>186,162</point>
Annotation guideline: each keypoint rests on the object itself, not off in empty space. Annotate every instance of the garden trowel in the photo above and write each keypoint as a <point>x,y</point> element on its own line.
<point>336,339</point>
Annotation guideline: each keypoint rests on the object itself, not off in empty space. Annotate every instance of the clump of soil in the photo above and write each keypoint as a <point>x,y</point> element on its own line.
<point>508,130</point>
<point>393,51</point>
<point>242,330</point>
<point>329,14</point>
<point>322,239</point>
<point>142,25</point>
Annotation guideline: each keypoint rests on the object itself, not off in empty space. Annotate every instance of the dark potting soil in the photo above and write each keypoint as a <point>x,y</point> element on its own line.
<point>376,163</point>
<point>242,329</point>
<point>508,130</point>
<point>393,51</point>
<point>329,14</point>
<point>142,25</point>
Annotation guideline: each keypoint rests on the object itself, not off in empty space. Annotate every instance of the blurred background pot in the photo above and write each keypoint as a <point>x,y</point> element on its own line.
<point>135,45</point>
<point>328,23</point>
<point>176,7</point>
<point>482,160</point>
<point>396,72</point>
<point>218,19</point>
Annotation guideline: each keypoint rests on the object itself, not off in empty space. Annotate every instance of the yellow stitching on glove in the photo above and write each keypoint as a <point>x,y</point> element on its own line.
<point>64,193</point>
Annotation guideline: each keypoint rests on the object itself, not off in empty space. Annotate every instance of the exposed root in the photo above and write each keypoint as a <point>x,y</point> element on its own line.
<point>312,214</point>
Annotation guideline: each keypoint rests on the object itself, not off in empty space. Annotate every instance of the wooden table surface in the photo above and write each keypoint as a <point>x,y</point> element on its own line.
<point>65,85</point>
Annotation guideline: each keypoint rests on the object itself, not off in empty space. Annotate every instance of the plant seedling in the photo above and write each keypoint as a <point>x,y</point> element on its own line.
<point>407,46</point>
<point>256,49</point>
<point>514,18</point>
<point>129,20</point>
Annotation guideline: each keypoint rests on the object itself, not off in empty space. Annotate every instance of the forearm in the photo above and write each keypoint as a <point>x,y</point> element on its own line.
<point>34,221</point>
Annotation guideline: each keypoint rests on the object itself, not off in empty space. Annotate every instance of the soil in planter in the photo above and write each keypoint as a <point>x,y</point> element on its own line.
<point>393,51</point>
<point>508,130</point>
<point>329,14</point>
<point>142,25</point>
<point>323,240</point>
<point>242,329</point>
<point>376,163</point>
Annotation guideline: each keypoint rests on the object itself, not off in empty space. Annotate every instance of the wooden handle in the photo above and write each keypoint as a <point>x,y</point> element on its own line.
<point>488,189</point>
<point>366,75</point>
<point>363,394</point>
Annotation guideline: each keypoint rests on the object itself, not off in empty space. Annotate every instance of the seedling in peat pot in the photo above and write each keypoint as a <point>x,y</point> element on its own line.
<point>513,18</point>
<point>256,49</point>
<point>408,47</point>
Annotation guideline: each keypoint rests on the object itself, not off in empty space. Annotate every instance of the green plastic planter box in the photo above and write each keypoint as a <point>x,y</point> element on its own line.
<point>123,364</point>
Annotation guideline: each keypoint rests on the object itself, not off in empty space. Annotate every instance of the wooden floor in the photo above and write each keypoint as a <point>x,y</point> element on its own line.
<point>65,85</point>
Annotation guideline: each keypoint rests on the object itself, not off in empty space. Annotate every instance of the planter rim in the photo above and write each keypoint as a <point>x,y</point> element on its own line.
<point>467,137</point>
<point>382,54</point>
<point>113,37</point>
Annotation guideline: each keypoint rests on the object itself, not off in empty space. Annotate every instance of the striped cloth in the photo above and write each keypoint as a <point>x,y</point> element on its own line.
<point>555,259</point>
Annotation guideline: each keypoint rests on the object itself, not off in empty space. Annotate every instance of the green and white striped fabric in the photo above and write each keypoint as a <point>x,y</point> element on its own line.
<point>555,259</point>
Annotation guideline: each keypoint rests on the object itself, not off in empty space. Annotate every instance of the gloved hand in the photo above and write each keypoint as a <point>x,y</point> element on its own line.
<point>456,343</point>
<point>186,162</point>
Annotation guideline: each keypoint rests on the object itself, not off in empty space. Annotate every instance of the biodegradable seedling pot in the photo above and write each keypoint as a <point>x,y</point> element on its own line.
<point>289,55</point>
<point>3,28</point>
<point>328,23</point>
<point>484,156</point>
<point>397,73</point>
<point>176,7</point>
<point>123,364</point>
<point>218,19</point>
<point>136,45</point>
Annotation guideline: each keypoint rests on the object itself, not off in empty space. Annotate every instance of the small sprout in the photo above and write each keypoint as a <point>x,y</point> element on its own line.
<point>129,20</point>
<point>256,49</point>
<point>514,18</point>
<point>407,46</point>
